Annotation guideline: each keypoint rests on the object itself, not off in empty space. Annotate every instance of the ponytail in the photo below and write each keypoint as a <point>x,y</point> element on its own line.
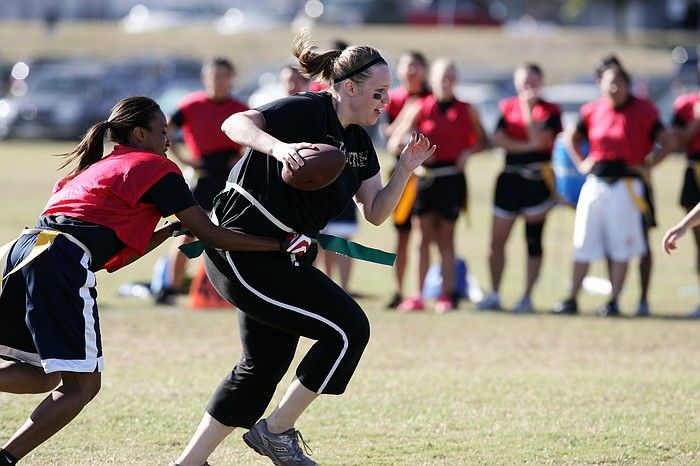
<point>313,63</point>
<point>334,66</point>
<point>90,149</point>
<point>126,115</point>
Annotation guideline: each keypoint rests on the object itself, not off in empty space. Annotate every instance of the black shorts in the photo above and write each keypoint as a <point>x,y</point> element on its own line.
<point>516,195</point>
<point>444,195</point>
<point>48,312</point>
<point>690,194</point>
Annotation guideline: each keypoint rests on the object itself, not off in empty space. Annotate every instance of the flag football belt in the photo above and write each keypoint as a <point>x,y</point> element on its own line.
<point>44,240</point>
<point>327,242</point>
<point>538,171</point>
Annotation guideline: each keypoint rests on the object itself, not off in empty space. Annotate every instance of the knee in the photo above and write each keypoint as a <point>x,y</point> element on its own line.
<point>359,332</point>
<point>83,386</point>
<point>533,236</point>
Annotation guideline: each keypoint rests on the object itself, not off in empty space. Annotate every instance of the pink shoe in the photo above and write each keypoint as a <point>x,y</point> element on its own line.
<point>443,305</point>
<point>414,304</point>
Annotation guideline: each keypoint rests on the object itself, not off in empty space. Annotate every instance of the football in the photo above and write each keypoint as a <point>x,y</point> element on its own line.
<point>321,167</point>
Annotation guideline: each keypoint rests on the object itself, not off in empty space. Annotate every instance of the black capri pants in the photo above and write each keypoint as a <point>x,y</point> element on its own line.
<point>277,303</point>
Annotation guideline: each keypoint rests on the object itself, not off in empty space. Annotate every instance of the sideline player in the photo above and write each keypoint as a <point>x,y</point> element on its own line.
<point>212,154</point>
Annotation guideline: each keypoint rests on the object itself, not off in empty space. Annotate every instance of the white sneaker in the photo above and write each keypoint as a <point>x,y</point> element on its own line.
<point>524,306</point>
<point>491,302</point>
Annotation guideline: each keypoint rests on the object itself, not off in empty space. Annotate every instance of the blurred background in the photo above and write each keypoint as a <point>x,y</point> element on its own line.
<point>87,54</point>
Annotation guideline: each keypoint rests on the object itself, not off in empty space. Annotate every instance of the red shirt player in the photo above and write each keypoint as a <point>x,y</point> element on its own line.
<point>200,116</point>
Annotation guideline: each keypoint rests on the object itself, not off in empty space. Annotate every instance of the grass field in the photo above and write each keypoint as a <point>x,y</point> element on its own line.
<point>464,388</point>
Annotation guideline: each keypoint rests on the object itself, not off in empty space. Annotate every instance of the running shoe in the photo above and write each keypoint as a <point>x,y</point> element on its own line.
<point>643,310</point>
<point>415,304</point>
<point>444,304</point>
<point>568,307</point>
<point>283,449</point>
<point>524,306</point>
<point>490,303</point>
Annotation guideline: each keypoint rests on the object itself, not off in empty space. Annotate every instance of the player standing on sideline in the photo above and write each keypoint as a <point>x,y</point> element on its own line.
<point>622,130</point>
<point>279,299</point>
<point>686,121</point>
<point>526,131</point>
<point>101,215</point>
<point>212,154</point>
<point>455,128</point>
<point>411,70</point>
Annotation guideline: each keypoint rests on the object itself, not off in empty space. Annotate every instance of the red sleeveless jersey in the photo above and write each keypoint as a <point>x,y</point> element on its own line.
<point>107,193</point>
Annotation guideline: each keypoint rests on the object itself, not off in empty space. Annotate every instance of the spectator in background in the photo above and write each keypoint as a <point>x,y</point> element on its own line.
<point>686,122</point>
<point>526,131</point>
<point>200,115</point>
<point>622,130</point>
<point>649,218</point>
<point>292,80</point>
<point>411,70</point>
<point>456,130</point>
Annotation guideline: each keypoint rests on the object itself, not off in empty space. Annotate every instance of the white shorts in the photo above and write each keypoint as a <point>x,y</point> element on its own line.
<point>608,222</point>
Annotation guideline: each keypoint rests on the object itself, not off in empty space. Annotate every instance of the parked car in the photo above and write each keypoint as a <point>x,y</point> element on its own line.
<point>62,104</point>
<point>455,12</point>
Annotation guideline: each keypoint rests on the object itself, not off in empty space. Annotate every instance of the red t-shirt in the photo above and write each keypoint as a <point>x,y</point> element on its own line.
<point>399,96</point>
<point>200,118</point>
<point>625,133</point>
<point>108,193</point>
<point>683,114</point>
<point>316,86</point>
<point>545,114</point>
<point>452,131</point>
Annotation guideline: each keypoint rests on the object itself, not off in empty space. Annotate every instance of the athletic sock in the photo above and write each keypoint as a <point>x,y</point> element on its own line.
<point>6,459</point>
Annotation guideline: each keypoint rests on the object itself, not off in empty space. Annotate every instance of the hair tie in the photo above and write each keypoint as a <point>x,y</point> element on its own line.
<point>350,74</point>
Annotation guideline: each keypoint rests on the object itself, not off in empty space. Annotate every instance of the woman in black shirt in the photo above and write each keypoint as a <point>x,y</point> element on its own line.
<point>279,299</point>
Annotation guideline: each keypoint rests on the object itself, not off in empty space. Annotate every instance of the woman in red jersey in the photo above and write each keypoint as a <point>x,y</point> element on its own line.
<point>211,154</point>
<point>457,131</point>
<point>412,71</point>
<point>622,131</point>
<point>686,121</point>
<point>101,215</point>
<point>526,131</point>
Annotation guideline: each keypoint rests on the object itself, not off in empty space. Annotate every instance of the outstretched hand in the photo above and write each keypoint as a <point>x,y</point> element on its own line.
<point>416,152</point>
<point>671,236</point>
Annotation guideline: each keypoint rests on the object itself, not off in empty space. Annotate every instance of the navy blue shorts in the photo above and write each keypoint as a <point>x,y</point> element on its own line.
<point>48,313</point>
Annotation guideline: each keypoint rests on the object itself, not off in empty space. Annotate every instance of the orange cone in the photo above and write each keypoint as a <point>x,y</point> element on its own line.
<point>203,295</point>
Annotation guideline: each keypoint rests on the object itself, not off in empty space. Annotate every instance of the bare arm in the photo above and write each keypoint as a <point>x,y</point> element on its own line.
<point>175,149</point>
<point>691,220</point>
<point>199,224</point>
<point>376,202</point>
<point>573,140</point>
<point>248,129</point>
<point>665,144</point>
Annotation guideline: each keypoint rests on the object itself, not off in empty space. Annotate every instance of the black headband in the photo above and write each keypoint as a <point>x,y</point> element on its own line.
<point>350,74</point>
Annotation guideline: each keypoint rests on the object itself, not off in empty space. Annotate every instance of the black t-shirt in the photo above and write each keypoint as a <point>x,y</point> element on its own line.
<point>170,194</point>
<point>304,117</point>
